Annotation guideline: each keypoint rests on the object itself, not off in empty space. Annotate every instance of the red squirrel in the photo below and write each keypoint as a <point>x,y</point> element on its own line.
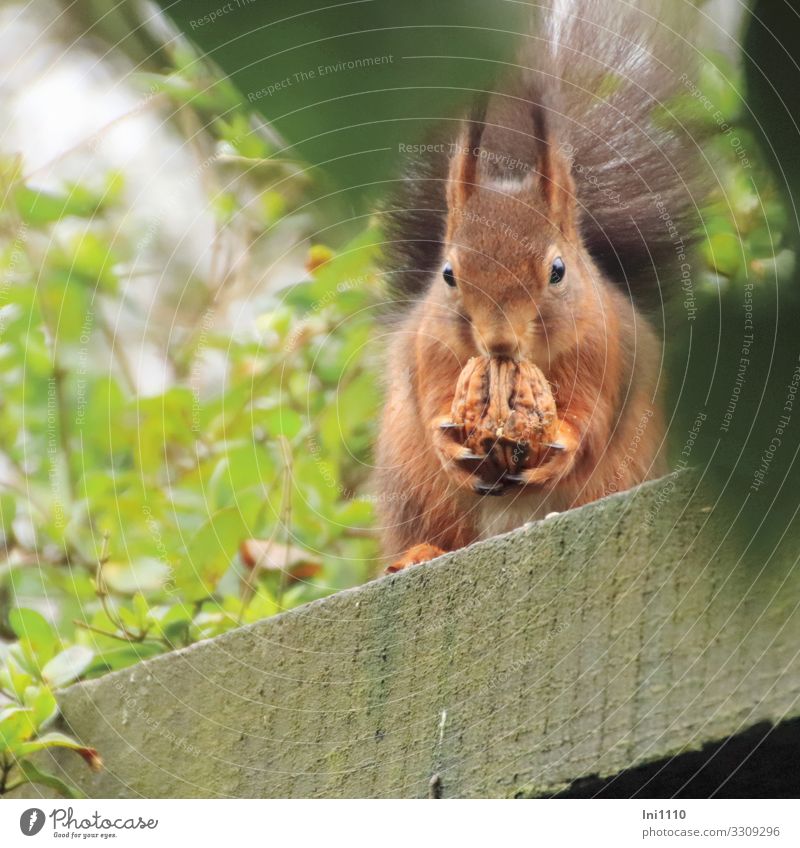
<point>569,192</point>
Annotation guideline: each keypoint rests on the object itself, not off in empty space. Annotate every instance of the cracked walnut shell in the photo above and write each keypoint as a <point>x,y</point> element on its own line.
<point>505,408</point>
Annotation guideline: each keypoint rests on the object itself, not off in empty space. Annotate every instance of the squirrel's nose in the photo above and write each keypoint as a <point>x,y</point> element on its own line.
<point>503,347</point>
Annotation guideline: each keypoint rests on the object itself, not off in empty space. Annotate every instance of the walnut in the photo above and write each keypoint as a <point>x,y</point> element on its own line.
<point>506,409</point>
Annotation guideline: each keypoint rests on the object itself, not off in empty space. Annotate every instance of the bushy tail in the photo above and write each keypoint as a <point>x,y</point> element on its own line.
<point>616,74</point>
<point>610,76</point>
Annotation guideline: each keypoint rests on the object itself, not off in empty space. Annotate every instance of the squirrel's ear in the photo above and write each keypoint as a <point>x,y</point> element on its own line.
<point>463,175</point>
<point>553,172</point>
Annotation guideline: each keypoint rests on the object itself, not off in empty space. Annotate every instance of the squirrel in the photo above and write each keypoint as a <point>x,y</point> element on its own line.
<point>544,231</point>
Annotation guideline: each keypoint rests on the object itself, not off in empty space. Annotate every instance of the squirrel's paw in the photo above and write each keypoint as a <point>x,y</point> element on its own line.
<point>479,473</point>
<point>556,463</point>
<point>414,556</point>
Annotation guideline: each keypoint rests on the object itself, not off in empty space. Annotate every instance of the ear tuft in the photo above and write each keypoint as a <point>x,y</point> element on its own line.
<point>553,170</point>
<point>463,174</point>
<point>544,157</point>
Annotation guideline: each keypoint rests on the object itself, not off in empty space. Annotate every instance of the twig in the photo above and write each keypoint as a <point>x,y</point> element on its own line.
<point>101,632</point>
<point>286,513</point>
<point>89,139</point>
<point>58,374</point>
<point>12,786</point>
<point>63,429</point>
<point>17,487</point>
<point>117,351</point>
<point>5,769</point>
<point>102,593</point>
<point>249,586</point>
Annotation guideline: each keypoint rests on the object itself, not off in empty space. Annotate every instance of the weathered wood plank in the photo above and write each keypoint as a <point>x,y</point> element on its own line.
<point>607,637</point>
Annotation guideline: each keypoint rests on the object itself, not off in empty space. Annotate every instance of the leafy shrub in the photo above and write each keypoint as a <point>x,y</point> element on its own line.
<point>137,522</point>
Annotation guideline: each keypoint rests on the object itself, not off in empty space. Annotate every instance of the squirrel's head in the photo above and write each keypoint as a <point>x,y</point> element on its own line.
<point>513,269</point>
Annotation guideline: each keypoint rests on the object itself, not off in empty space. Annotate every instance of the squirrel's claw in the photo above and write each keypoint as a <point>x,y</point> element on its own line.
<point>558,461</point>
<point>492,474</point>
<point>463,465</point>
<point>414,556</point>
<point>494,489</point>
<point>552,470</point>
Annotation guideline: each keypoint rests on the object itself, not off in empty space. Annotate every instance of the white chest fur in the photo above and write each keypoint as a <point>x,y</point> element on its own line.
<point>499,515</point>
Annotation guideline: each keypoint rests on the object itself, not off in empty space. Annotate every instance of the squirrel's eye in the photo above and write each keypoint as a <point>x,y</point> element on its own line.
<point>449,276</point>
<point>557,271</point>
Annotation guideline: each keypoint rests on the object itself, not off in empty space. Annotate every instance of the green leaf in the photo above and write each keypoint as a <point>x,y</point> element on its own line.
<point>125,655</point>
<point>32,774</point>
<point>171,622</point>
<point>349,270</point>
<point>13,677</point>
<point>724,254</point>
<point>280,421</point>
<point>211,551</point>
<point>35,632</point>
<point>8,511</point>
<point>89,261</point>
<point>719,81</point>
<point>67,666</point>
<point>16,727</point>
<point>147,574</point>
<point>61,740</point>
<point>141,609</point>
<point>356,513</point>
<point>244,467</point>
<point>46,207</point>
<point>43,704</point>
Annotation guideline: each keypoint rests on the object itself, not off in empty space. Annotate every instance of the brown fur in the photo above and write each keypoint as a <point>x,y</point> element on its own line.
<point>501,230</point>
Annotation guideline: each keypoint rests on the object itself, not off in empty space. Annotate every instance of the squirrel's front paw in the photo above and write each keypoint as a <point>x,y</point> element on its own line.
<point>502,419</point>
<point>414,556</point>
<point>480,473</point>
<point>557,462</point>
